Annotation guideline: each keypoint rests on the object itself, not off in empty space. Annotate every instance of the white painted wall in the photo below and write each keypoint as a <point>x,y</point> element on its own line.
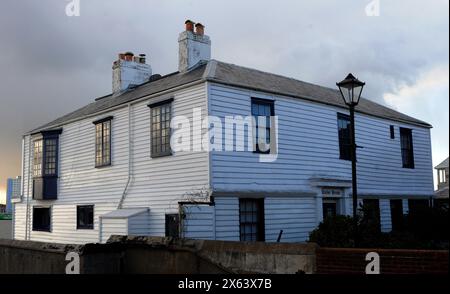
<point>308,146</point>
<point>294,215</point>
<point>113,226</point>
<point>385,215</point>
<point>199,222</point>
<point>157,183</point>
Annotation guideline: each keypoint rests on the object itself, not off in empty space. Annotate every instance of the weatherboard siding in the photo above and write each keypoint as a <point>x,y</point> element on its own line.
<point>227,218</point>
<point>385,215</point>
<point>294,215</point>
<point>113,226</point>
<point>308,146</point>
<point>198,222</point>
<point>139,224</point>
<point>157,183</point>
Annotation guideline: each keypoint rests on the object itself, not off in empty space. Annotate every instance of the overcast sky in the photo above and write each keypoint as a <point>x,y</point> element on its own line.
<point>51,64</point>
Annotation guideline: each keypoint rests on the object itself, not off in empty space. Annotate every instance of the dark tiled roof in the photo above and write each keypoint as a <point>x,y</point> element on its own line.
<point>234,75</point>
<point>259,80</point>
<point>443,164</point>
<point>103,103</point>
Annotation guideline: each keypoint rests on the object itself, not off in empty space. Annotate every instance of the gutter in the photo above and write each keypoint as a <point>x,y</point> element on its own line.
<point>22,180</point>
<point>27,211</point>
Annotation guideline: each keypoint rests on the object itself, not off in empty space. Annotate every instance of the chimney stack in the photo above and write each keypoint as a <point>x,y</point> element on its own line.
<point>193,46</point>
<point>128,71</point>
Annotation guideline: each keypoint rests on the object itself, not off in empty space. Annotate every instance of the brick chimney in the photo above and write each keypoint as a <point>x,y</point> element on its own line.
<point>129,70</point>
<point>193,46</point>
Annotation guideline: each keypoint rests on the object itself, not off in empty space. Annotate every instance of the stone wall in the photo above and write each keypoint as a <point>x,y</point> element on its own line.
<point>157,255</point>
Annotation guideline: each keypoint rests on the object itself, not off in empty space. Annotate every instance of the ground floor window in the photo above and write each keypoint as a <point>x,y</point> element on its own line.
<point>397,214</point>
<point>418,206</point>
<point>251,219</point>
<point>42,219</point>
<point>441,203</point>
<point>371,209</point>
<point>172,225</point>
<point>85,217</point>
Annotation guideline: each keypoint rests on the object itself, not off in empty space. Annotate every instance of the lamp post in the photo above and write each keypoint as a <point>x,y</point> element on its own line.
<point>351,89</point>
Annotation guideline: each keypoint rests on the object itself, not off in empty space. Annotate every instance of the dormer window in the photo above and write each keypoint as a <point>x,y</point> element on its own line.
<point>45,164</point>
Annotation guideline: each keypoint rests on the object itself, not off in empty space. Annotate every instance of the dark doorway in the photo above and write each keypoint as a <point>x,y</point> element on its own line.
<point>172,225</point>
<point>397,214</point>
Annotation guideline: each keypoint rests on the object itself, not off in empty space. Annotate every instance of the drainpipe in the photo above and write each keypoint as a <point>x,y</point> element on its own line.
<point>22,180</point>
<point>27,212</point>
<point>125,190</point>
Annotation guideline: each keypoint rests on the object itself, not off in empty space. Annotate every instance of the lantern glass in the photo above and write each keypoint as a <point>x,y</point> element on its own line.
<point>351,89</point>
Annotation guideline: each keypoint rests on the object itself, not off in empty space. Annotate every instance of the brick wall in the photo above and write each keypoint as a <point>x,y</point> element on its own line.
<point>392,261</point>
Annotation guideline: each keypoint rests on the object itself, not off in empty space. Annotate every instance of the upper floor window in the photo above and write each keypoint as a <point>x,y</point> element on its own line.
<point>45,154</point>
<point>103,142</point>
<point>45,164</point>
<point>37,157</point>
<point>392,131</point>
<point>407,147</point>
<point>344,136</point>
<point>262,111</point>
<point>51,153</point>
<point>442,176</point>
<point>161,114</point>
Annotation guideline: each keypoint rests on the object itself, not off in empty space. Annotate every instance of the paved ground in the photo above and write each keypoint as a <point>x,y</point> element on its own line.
<point>5,229</point>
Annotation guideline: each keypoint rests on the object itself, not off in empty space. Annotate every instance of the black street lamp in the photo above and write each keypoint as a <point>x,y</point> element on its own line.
<point>351,89</point>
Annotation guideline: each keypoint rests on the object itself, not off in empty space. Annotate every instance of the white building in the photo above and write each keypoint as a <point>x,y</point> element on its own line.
<point>108,168</point>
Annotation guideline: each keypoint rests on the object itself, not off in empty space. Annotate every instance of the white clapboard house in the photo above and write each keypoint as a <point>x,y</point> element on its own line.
<point>109,168</point>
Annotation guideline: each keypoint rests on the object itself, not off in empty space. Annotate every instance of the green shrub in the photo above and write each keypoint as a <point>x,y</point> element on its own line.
<point>423,229</point>
<point>334,232</point>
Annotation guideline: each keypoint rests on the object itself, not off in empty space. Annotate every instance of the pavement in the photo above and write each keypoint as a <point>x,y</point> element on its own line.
<point>5,229</point>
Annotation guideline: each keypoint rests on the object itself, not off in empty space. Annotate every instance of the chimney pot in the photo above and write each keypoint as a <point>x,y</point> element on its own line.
<point>142,58</point>
<point>129,56</point>
<point>199,29</point>
<point>189,25</point>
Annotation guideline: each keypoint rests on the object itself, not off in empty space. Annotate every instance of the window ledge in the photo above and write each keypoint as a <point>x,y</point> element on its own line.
<point>161,155</point>
<point>41,230</point>
<point>103,165</point>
